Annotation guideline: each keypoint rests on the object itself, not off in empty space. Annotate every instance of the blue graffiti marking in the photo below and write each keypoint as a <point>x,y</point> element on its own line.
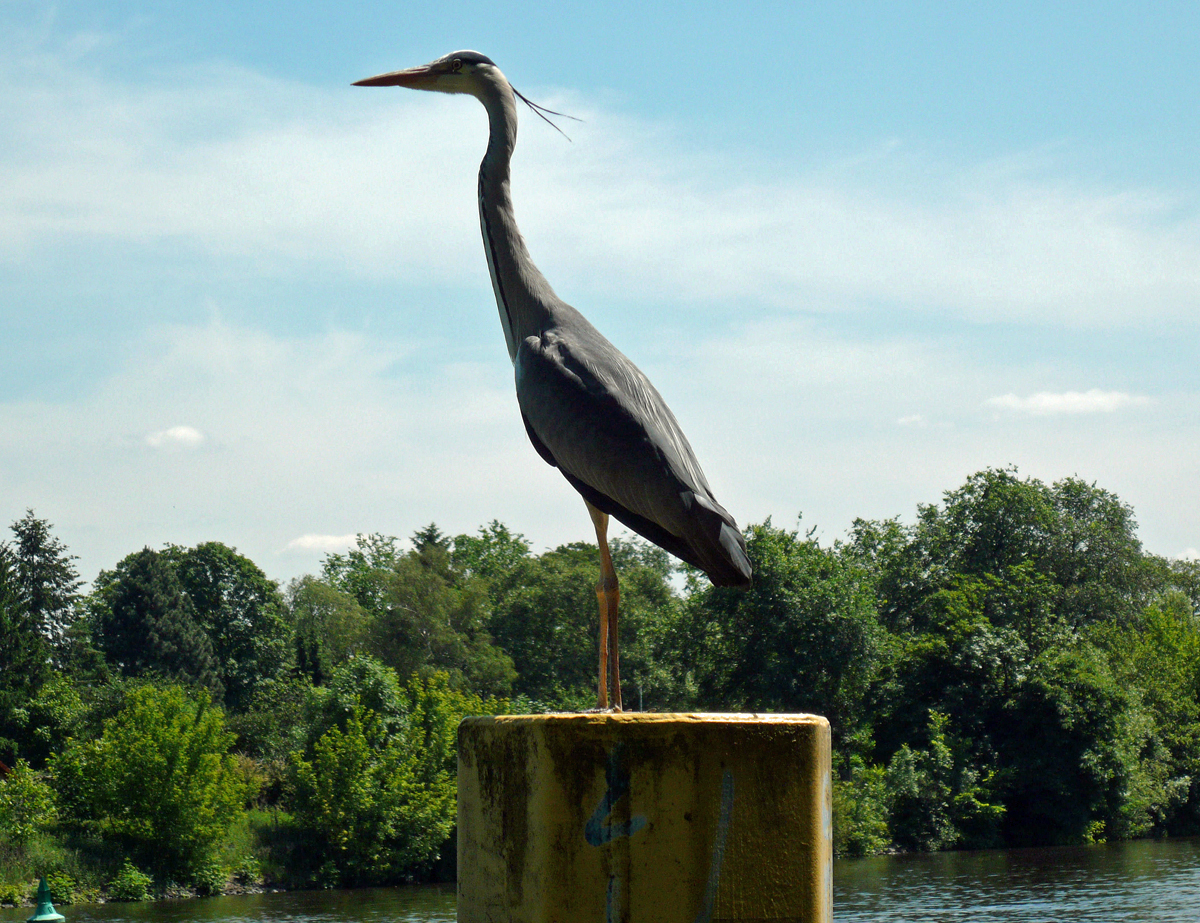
<point>616,774</point>
<point>612,902</point>
<point>714,872</point>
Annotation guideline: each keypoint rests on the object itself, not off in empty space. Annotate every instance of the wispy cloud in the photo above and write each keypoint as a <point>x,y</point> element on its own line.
<point>236,165</point>
<point>324,543</point>
<point>176,438</point>
<point>1048,403</point>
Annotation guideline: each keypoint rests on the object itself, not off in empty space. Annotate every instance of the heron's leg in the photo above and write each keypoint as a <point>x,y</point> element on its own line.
<point>609,595</point>
<point>600,520</point>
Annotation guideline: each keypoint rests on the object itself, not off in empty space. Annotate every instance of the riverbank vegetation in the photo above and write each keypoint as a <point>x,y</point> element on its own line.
<point>1012,668</point>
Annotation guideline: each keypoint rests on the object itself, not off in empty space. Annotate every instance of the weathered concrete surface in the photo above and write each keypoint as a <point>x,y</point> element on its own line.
<point>644,818</point>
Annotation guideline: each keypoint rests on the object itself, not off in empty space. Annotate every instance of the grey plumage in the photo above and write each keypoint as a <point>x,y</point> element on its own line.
<point>587,409</point>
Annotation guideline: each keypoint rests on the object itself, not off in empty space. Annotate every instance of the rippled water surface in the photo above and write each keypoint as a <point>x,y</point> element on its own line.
<point>1149,882</point>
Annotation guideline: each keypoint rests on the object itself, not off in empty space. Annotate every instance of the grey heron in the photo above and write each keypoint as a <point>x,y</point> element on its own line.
<point>587,409</point>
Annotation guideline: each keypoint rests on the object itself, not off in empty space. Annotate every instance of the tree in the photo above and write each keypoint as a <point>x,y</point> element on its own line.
<point>546,620</point>
<point>423,616</point>
<point>145,623</point>
<point>358,571</point>
<point>160,779</point>
<point>359,797</point>
<point>428,624</point>
<point>1095,557</point>
<point>493,554</point>
<point>430,537</point>
<point>241,612</point>
<point>330,627</point>
<point>48,582</point>
<point>26,804</point>
<point>936,803</point>
<point>1160,657</point>
<point>24,659</point>
<point>375,783</point>
<point>805,637</point>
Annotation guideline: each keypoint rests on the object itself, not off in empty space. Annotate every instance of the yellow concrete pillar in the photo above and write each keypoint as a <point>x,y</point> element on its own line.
<point>644,818</point>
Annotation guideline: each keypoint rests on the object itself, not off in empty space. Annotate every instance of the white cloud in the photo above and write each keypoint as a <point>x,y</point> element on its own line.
<point>175,438</point>
<point>286,176</point>
<point>323,543</point>
<point>1190,554</point>
<point>1046,403</point>
<point>912,419</point>
<point>331,429</point>
<point>325,429</point>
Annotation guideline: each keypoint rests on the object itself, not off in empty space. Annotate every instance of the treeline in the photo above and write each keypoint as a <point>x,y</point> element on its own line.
<point>1010,669</point>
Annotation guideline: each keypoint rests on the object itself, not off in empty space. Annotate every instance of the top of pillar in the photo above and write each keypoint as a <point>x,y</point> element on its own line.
<point>642,718</point>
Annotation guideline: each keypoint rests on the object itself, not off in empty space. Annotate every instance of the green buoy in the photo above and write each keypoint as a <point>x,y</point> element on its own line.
<point>45,910</point>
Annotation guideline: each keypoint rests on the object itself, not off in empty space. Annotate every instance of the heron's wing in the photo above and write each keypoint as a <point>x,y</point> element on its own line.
<point>592,412</point>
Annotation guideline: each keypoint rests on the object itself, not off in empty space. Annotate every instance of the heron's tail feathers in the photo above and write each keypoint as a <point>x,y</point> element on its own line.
<point>718,546</point>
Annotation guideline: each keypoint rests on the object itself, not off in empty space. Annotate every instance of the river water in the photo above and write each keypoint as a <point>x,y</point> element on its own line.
<point>1146,881</point>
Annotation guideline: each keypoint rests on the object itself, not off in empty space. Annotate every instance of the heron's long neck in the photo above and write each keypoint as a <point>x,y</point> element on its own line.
<point>523,295</point>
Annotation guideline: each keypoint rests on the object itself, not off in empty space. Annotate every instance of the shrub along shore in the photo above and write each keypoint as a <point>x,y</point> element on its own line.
<point>1011,668</point>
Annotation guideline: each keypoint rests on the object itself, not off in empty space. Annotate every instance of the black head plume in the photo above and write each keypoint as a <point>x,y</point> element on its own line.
<point>544,114</point>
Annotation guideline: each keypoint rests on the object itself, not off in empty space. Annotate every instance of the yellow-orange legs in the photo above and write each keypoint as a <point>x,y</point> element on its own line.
<point>609,596</point>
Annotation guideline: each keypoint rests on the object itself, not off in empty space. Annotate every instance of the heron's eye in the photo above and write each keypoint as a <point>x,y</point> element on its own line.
<point>456,65</point>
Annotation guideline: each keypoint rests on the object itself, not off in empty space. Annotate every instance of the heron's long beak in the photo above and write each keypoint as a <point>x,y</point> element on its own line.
<point>416,78</point>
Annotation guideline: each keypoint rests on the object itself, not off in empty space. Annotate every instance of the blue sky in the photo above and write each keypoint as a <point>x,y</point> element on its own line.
<point>863,251</point>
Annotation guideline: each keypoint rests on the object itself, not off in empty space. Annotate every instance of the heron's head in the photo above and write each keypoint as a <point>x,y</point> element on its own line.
<point>457,72</point>
<point>462,72</point>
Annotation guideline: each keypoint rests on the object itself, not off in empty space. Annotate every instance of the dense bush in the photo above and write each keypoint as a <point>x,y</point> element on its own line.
<point>376,789</point>
<point>130,884</point>
<point>160,779</point>
<point>26,804</point>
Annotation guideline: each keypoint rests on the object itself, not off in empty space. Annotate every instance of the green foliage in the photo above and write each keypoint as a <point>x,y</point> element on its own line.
<point>210,877</point>
<point>74,874</point>
<point>62,888</point>
<point>46,575</point>
<point>423,616</point>
<point>145,623</point>
<point>57,711</point>
<point>375,786</point>
<point>204,615</point>
<point>1008,604</point>
<point>546,620</point>
<point>545,617</point>
<point>1009,668</point>
<point>493,554</point>
<point>330,626</point>
<point>160,779</point>
<point>38,595</point>
<point>13,894</point>
<point>358,572</point>
<point>935,802</point>
<point>360,797</point>
<point>430,624</point>
<point>805,637</point>
<point>860,812</point>
<point>130,884</point>
<point>275,723</point>
<point>26,804</point>
<point>1160,657</point>
<point>240,611</point>
<point>24,659</point>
